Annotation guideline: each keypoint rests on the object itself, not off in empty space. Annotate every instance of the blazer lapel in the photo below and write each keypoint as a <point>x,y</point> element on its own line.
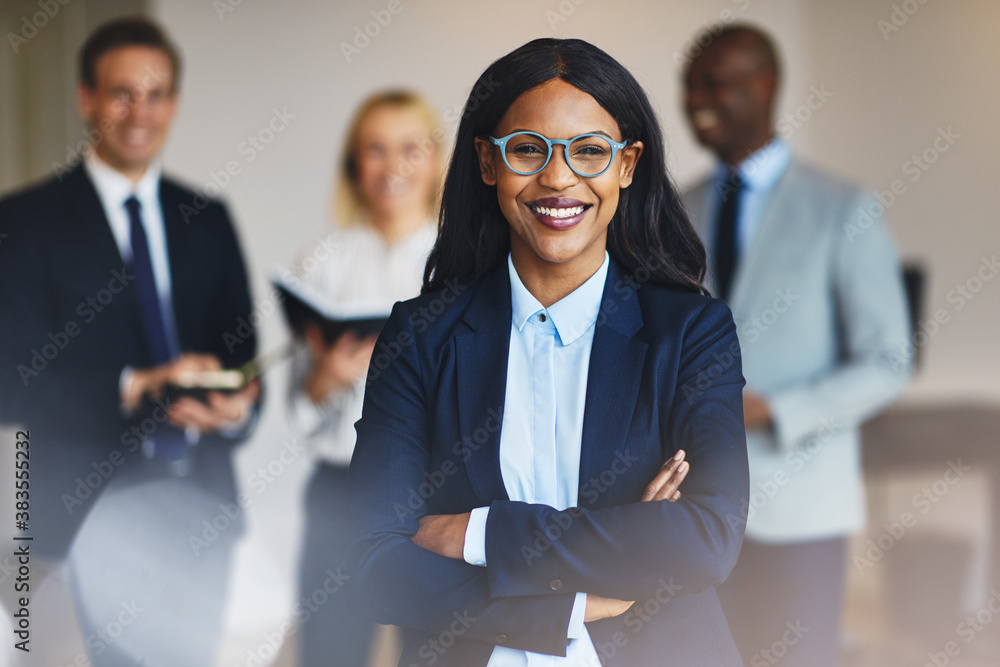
<point>482,380</point>
<point>91,222</point>
<point>177,232</point>
<point>615,374</point>
<point>758,256</point>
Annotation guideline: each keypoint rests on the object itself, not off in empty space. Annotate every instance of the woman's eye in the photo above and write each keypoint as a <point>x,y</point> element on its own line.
<point>591,151</point>
<point>527,149</point>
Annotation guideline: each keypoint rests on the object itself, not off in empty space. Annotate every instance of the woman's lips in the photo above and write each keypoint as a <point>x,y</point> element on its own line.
<point>558,213</point>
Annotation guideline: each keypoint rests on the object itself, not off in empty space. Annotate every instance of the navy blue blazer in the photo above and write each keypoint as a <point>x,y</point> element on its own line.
<point>70,320</point>
<point>665,374</point>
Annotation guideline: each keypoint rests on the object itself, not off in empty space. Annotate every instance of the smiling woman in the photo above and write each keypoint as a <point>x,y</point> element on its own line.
<point>583,323</point>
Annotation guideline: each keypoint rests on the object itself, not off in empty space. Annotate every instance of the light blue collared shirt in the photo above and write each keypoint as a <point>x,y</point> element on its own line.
<point>760,172</point>
<point>542,430</point>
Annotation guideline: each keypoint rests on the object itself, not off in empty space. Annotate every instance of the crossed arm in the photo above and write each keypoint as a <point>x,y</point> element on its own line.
<point>619,553</point>
<point>444,534</point>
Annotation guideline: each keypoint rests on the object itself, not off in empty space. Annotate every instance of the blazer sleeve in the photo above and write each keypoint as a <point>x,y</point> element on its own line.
<point>392,580</point>
<point>868,288</point>
<point>630,551</point>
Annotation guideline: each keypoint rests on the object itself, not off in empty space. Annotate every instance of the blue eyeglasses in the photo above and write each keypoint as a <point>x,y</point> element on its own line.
<point>588,155</point>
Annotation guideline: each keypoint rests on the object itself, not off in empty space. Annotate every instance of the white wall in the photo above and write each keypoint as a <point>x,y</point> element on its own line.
<point>890,96</point>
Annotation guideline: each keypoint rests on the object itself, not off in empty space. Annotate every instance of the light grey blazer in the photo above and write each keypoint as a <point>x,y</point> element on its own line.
<point>821,316</point>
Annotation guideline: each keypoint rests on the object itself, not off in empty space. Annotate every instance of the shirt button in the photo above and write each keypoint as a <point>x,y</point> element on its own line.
<point>542,318</point>
<point>555,584</point>
<point>500,638</point>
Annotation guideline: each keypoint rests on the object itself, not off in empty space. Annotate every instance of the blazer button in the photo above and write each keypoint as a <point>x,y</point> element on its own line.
<point>555,584</point>
<point>500,638</point>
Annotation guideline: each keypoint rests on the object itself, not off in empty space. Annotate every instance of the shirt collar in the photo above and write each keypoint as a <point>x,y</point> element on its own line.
<point>115,188</point>
<point>572,315</point>
<point>761,170</point>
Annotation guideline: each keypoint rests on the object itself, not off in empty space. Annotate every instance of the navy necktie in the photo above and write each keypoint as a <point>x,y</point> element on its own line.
<point>170,443</point>
<point>727,245</point>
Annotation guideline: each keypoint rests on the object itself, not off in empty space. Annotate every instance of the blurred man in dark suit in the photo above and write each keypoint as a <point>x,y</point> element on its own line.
<point>811,274</point>
<point>111,292</point>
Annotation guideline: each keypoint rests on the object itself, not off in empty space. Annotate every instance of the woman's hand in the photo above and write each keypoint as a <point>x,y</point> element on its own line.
<point>336,367</point>
<point>444,534</point>
<point>663,487</point>
<point>667,482</point>
<point>598,608</point>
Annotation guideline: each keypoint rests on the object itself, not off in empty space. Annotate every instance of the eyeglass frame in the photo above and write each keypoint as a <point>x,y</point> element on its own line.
<point>565,143</point>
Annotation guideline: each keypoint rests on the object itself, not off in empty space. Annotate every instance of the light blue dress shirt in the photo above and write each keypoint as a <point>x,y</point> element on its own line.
<point>760,172</point>
<point>542,430</point>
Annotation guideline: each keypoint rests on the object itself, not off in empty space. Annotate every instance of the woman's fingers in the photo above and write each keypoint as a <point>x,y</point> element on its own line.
<point>666,483</point>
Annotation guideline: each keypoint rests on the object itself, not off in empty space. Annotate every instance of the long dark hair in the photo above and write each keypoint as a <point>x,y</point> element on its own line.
<point>650,228</point>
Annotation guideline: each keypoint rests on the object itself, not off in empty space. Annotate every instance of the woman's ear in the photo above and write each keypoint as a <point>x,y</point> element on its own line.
<point>630,157</point>
<point>487,166</point>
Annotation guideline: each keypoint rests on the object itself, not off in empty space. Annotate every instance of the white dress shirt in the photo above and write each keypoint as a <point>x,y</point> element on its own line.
<point>760,172</point>
<point>354,265</point>
<point>542,431</point>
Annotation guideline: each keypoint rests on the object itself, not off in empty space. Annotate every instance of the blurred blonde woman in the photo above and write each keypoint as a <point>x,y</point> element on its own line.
<point>386,205</point>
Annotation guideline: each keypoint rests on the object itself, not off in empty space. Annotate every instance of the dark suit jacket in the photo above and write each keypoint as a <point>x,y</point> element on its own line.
<point>664,374</point>
<point>70,322</point>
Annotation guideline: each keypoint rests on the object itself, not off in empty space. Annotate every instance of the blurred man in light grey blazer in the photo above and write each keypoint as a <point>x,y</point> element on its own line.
<point>811,274</point>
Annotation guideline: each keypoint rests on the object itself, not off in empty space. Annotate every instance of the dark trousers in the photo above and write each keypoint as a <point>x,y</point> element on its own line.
<point>333,634</point>
<point>783,603</point>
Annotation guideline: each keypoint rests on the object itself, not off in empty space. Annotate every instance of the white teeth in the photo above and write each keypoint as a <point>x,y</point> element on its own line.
<point>704,119</point>
<point>559,212</point>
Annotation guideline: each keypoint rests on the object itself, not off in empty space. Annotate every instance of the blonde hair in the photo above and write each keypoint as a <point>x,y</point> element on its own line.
<point>348,206</point>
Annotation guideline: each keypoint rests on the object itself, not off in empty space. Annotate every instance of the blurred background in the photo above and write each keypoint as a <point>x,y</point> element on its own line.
<point>878,91</point>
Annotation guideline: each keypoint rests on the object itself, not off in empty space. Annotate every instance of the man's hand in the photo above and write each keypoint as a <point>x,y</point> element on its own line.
<point>756,411</point>
<point>150,381</point>
<point>220,411</point>
<point>444,534</point>
<point>338,366</point>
